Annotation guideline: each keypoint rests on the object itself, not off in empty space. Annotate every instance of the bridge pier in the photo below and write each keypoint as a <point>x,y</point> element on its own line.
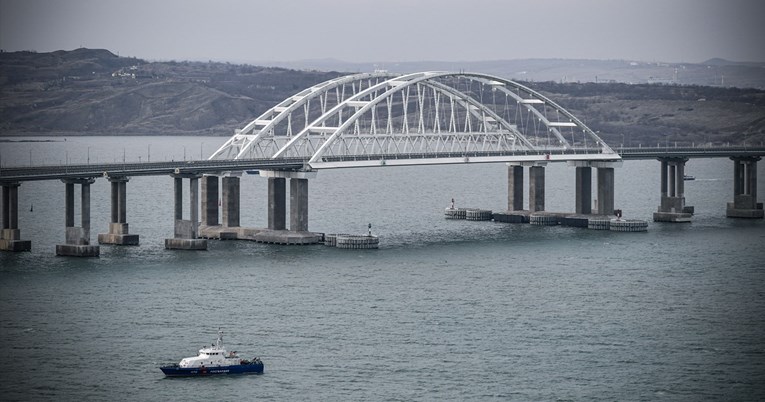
<point>515,188</point>
<point>186,231</point>
<point>537,187</point>
<point>515,212</point>
<point>118,227</point>
<point>78,238</point>
<point>672,207</point>
<point>10,237</point>
<point>277,209</point>
<point>228,226</point>
<point>210,200</point>
<point>231,195</point>
<point>745,203</point>
<point>583,192</point>
<point>605,186</point>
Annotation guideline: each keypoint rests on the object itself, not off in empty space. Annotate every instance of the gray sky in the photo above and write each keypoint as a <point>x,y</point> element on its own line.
<point>391,30</point>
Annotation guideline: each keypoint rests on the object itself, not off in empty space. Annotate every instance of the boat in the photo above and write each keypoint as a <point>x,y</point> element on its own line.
<point>688,177</point>
<point>213,360</point>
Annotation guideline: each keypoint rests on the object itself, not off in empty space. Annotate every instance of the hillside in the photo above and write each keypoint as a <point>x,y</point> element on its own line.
<point>94,92</point>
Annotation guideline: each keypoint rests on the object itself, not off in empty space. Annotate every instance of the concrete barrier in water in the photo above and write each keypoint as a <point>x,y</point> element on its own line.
<point>599,223</point>
<point>473,214</point>
<point>357,242</point>
<point>455,213</point>
<point>628,225</point>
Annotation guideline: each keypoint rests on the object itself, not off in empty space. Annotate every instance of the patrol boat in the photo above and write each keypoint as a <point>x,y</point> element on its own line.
<point>213,360</point>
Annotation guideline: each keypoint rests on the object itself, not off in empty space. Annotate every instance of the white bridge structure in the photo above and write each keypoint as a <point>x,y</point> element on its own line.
<point>377,119</point>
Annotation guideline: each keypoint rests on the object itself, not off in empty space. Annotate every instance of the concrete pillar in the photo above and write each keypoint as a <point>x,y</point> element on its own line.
<point>277,203</point>
<point>77,243</point>
<point>231,201</point>
<point>69,205</point>
<point>13,207</point>
<point>6,207</point>
<point>672,179</point>
<point>672,207</point>
<point>515,188</point>
<point>753,180</point>
<point>536,188</point>
<point>85,211</point>
<point>745,203</point>
<point>115,191</point>
<point>583,190</point>
<point>194,206</point>
<point>119,233</point>
<point>122,202</point>
<point>298,205</point>
<point>210,200</point>
<point>178,198</point>
<point>605,191</point>
<point>10,235</point>
<point>680,179</point>
<point>186,231</point>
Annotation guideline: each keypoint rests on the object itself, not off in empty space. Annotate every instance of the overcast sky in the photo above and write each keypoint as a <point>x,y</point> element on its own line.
<point>391,30</point>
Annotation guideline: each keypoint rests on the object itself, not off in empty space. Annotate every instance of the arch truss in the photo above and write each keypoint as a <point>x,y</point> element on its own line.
<point>421,118</point>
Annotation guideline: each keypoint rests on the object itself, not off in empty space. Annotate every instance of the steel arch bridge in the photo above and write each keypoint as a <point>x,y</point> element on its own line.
<point>377,119</point>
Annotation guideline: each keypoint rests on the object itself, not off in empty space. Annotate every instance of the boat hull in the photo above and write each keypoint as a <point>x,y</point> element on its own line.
<point>175,371</point>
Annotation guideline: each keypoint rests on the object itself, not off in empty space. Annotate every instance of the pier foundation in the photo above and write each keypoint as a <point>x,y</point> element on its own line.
<point>77,241</point>
<point>745,203</point>
<point>672,207</point>
<point>10,236</point>
<point>231,201</point>
<point>605,187</point>
<point>186,231</point>
<point>277,232</point>
<point>583,193</point>
<point>605,190</point>
<point>210,200</point>
<point>537,188</point>
<point>515,188</point>
<point>118,227</point>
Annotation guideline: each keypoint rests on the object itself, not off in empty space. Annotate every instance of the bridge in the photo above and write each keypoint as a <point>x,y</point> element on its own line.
<point>376,120</point>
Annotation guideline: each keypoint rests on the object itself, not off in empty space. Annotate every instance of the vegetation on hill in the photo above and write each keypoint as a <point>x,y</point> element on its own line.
<point>95,92</point>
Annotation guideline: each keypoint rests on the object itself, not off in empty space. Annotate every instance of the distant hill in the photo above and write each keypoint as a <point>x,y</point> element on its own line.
<point>714,72</point>
<point>94,92</point>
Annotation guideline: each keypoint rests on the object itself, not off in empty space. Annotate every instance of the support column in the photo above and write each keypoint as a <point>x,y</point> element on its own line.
<point>298,232</point>
<point>119,232</point>
<point>515,188</point>
<point>210,200</point>
<point>276,203</point>
<point>194,205</point>
<point>605,191</point>
<point>672,207</point>
<point>299,205</point>
<point>745,203</point>
<point>537,188</point>
<point>78,238</point>
<point>178,187</point>
<point>186,232</point>
<point>69,205</point>
<point>584,190</point>
<point>231,201</point>
<point>10,236</point>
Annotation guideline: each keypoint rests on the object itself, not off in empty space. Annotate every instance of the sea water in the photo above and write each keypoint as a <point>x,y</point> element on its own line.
<point>444,310</point>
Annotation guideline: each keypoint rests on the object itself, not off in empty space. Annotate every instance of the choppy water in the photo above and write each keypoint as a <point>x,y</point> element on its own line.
<point>444,310</point>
